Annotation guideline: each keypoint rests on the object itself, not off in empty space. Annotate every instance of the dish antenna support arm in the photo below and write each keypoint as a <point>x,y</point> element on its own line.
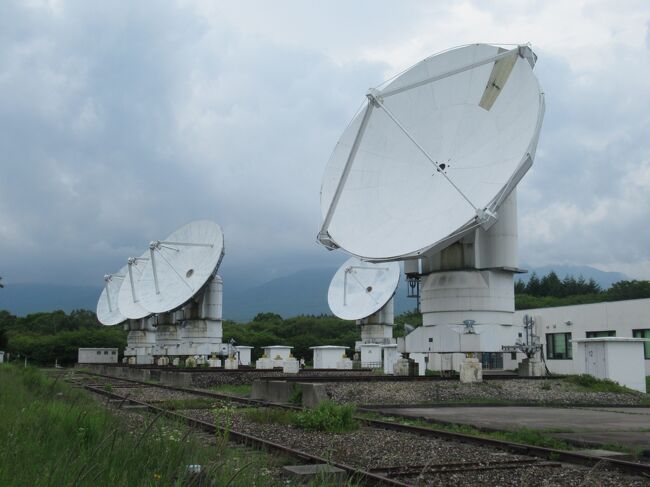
<point>324,237</point>
<point>484,216</point>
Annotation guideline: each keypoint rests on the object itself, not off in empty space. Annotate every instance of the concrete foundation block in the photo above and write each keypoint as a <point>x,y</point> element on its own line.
<point>264,364</point>
<point>530,368</point>
<point>471,370</point>
<point>318,472</point>
<point>177,379</point>
<point>313,394</point>
<point>291,366</point>
<point>230,364</point>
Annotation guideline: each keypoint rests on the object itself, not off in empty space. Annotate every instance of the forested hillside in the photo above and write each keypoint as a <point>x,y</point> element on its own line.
<point>550,291</point>
<point>45,337</point>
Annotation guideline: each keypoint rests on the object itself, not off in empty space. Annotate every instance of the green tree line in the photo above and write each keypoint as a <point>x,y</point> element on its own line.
<point>42,338</point>
<point>550,290</point>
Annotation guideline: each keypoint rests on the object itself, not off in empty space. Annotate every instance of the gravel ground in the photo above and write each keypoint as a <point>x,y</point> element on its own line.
<point>151,394</point>
<point>535,391</point>
<point>370,448</point>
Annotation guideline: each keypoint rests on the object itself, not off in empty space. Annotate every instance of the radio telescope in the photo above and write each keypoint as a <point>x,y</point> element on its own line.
<point>108,311</point>
<point>360,289</point>
<point>180,280</point>
<point>128,297</point>
<point>426,173</point>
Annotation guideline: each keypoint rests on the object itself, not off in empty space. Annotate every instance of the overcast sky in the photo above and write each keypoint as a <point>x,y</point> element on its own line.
<point>122,120</point>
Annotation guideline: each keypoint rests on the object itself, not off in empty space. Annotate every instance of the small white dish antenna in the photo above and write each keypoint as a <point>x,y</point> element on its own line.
<point>180,265</point>
<point>108,311</point>
<point>129,298</point>
<point>359,289</point>
<point>433,153</point>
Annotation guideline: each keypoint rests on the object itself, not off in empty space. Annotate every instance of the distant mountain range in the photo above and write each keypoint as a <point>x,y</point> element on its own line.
<point>303,292</point>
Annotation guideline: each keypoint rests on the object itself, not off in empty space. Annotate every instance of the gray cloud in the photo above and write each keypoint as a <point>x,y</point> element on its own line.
<point>121,121</point>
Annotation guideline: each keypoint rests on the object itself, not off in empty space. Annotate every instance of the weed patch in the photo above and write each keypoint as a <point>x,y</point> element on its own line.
<point>238,390</point>
<point>592,384</point>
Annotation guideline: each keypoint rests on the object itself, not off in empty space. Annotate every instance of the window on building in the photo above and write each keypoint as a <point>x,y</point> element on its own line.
<point>513,355</point>
<point>599,334</point>
<point>646,345</point>
<point>106,352</point>
<point>558,346</point>
<point>99,352</point>
<point>113,352</point>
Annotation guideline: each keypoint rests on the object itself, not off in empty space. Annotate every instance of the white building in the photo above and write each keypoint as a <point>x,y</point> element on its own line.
<point>97,356</point>
<point>244,352</point>
<point>558,328</point>
<point>328,356</point>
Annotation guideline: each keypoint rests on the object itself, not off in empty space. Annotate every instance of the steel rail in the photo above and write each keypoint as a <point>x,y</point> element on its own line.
<point>369,478</point>
<point>512,447</point>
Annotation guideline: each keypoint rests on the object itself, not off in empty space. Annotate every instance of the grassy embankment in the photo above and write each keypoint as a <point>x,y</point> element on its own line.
<point>54,435</point>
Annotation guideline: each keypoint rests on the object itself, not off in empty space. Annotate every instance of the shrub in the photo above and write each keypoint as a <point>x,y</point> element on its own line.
<point>328,416</point>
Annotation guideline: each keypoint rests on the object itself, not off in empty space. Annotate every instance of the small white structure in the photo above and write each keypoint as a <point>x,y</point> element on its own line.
<point>391,356</point>
<point>97,356</point>
<point>231,363</point>
<point>291,366</point>
<point>371,355</point>
<point>2,357</point>
<point>278,353</point>
<point>614,358</point>
<point>244,352</point>
<point>264,363</point>
<point>328,356</point>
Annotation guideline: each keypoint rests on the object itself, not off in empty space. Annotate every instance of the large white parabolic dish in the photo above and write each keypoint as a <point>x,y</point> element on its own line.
<point>108,311</point>
<point>180,265</point>
<point>129,298</point>
<point>433,153</point>
<point>359,289</point>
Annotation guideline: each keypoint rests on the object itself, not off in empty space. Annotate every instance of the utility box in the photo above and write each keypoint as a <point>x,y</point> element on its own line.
<point>371,356</point>
<point>615,358</point>
<point>244,352</point>
<point>97,356</point>
<point>328,356</point>
<point>391,355</point>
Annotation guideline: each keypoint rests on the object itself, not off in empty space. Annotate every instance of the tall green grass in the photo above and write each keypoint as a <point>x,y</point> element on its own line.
<point>54,435</point>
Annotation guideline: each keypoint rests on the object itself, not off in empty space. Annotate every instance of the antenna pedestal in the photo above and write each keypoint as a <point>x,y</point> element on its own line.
<point>467,295</point>
<point>140,341</point>
<point>378,327</point>
<point>202,330</point>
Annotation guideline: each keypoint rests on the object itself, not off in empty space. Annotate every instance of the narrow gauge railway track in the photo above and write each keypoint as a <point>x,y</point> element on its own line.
<point>379,476</point>
<point>537,452</point>
<point>369,478</point>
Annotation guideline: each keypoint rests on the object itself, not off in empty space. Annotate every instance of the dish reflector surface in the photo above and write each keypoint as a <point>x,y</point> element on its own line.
<point>129,298</point>
<point>359,289</point>
<point>431,150</point>
<point>108,311</point>
<point>181,264</point>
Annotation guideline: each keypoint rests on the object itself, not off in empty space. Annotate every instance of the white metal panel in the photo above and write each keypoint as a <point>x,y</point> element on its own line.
<point>129,298</point>
<point>359,289</point>
<point>179,266</point>
<point>108,311</point>
<point>394,201</point>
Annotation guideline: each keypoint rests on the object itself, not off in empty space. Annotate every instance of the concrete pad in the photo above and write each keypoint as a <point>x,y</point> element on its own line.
<point>622,426</point>
<point>321,471</point>
<point>603,453</point>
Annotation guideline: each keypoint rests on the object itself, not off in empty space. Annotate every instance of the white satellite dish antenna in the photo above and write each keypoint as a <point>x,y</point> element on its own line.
<point>433,153</point>
<point>108,311</point>
<point>180,265</point>
<point>359,289</point>
<point>129,299</point>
